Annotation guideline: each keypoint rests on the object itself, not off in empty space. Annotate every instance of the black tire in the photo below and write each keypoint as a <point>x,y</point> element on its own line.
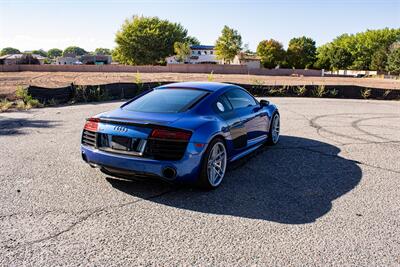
<point>271,141</point>
<point>204,181</point>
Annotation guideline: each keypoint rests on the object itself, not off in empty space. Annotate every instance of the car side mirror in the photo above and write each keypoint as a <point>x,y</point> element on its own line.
<point>264,103</point>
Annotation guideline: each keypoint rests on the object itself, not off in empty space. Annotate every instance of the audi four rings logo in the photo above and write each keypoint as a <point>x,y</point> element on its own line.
<point>120,129</point>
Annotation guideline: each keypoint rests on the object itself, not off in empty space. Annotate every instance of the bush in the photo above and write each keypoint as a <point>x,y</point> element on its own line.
<point>86,94</point>
<point>20,105</point>
<point>319,91</point>
<point>26,101</point>
<point>5,105</point>
<point>300,90</point>
<point>365,93</point>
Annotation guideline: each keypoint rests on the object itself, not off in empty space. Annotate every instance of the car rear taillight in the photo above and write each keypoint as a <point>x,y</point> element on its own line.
<point>170,134</point>
<point>92,124</point>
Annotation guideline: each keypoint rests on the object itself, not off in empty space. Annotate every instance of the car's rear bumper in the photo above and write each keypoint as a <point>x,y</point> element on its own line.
<point>187,169</point>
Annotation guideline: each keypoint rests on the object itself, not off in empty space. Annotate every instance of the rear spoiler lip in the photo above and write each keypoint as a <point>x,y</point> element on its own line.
<point>142,124</point>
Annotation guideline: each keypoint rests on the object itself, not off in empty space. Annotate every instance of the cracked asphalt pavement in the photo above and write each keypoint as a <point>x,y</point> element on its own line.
<point>327,194</point>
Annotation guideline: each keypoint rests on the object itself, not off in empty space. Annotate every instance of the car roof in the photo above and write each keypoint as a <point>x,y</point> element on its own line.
<point>208,86</point>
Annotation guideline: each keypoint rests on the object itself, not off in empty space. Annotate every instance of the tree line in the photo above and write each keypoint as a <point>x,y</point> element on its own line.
<point>149,40</point>
<point>55,52</point>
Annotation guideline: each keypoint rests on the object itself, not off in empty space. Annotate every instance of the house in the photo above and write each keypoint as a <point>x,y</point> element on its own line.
<point>199,54</point>
<point>14,59</point>
<point>68,60</point>
<point>71,59</point>
<point>95,59</point>
<point>250,60</point>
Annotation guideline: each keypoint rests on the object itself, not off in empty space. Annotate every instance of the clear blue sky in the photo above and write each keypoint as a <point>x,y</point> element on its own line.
<point>29,25</point>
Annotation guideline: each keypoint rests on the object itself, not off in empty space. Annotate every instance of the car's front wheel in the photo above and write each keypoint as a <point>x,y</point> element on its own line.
<point>213,165</point>
<point>274,130</point>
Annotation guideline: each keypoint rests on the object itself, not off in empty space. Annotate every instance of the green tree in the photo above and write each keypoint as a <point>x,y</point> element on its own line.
<point>366,48</point>
<point>8,51</point>
<point>40,52</point>
<point>182,51</point>
<point>340,58</point>
<point>102,51</point>
<point>54,52</point>
<point>379,60</point>
<point>393,61</point>
<point>192,40</point>
<point>323,57</point>
<point>148,40</point>
<point>301,52</point>
<point>74,50</point>
<point>271,53</point>
<point>228,44</point>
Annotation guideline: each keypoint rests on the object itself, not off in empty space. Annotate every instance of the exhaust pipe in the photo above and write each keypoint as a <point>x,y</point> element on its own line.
<point>169,173</point>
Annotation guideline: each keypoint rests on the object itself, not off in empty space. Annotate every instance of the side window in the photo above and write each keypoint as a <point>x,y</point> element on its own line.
<point>240,99</point>
<point>222,105</point>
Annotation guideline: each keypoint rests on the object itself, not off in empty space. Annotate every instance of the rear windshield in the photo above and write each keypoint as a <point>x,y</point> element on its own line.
<point>166,100</point>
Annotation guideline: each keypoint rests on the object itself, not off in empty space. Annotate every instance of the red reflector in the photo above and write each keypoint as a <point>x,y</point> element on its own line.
<point>168,134</point>
<point>199,145</point>
<point>92,124</point>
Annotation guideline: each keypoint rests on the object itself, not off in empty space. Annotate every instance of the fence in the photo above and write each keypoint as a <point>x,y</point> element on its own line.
<point>128,90</point>
<point>179,68</point>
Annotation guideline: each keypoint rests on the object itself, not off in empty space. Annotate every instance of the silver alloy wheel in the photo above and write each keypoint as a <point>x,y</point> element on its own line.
<point>275,128</point>
<point>216,164</point>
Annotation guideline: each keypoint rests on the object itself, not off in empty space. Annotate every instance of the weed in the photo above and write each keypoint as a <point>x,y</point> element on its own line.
<point>333,92</point>
<point>386,93</point>
<point>257,86</point>
<point>319,91</point>
<point>25,100</point>
<point>300,90</point>
<point>273,90</point>
<point>139,82</point>
<point>22,94</point>
<point>365,93</point>
<point>53,102</point>
<point>81,94</point>
<point>283,90</point>
<point>210,77</point>
<point>138,78</point>
<point>34,103</point>
<point>21,105</point>
<point>5,105</point>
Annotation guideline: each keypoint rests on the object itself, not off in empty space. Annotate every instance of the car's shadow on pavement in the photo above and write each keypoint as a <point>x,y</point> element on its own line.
<point>294,182</point>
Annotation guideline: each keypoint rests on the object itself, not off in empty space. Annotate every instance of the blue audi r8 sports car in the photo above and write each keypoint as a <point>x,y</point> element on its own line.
<point>184,132</point>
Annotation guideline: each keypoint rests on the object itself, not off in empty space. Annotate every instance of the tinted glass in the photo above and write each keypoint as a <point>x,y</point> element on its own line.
<point>222,105</point>
<point>166,100</point>
<point>240,99</point>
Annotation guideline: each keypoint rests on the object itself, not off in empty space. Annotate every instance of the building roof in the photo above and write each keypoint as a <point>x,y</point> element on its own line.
<point>247,56</point>
<point>202,47</point>
<point>209,86</point>
<point>17,56</point>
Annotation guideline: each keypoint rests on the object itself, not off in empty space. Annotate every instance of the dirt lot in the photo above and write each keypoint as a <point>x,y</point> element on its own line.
<point>10,80</point>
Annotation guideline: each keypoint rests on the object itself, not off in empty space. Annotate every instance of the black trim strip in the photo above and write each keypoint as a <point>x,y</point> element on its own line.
<point>145,125</point>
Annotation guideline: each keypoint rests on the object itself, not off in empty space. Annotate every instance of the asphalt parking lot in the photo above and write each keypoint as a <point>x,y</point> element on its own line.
<point>328,194</point>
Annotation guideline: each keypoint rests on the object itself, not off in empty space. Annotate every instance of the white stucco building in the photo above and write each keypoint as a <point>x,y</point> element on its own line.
<point>250,60</point>
<point>199,54</point>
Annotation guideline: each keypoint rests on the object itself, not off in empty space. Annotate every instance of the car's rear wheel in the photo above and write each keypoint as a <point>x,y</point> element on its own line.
<point>274,130</point>
<point>214,165</point>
